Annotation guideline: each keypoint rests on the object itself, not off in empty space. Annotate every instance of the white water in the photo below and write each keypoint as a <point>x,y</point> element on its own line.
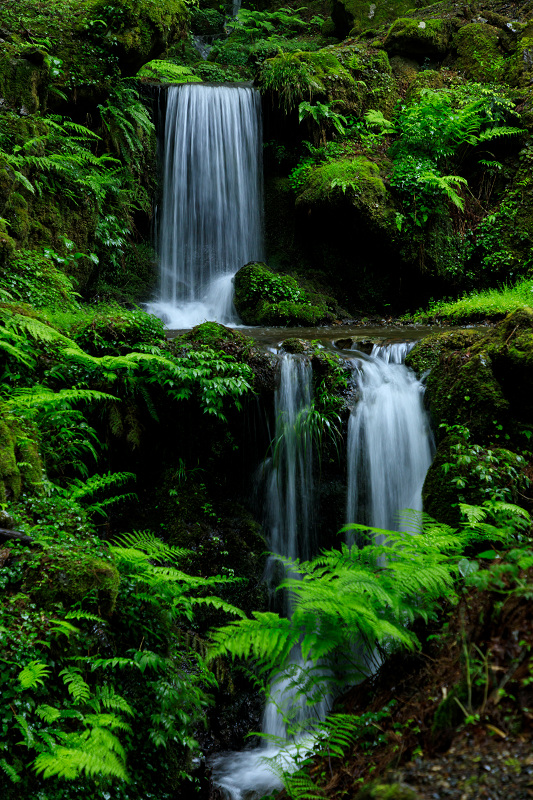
<point>211,218</point>
<point>389,441</point>
<point>389,452</point>
<point>289,521</point>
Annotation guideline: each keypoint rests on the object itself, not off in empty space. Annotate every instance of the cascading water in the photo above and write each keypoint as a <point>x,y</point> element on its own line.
<point>211,217</point>
<point>390,445</point>
<point>289,490</point>
<point>389,452</point>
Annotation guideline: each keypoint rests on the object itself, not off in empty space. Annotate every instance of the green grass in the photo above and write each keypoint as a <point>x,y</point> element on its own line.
<point>489,303</point>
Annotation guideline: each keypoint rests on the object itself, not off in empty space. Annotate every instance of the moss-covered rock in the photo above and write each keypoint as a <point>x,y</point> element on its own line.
<point>20,461</point>
<point>167,72</point>
<point>296,76</point>
<point>479,379</point>
<point>415,38</point>
<point>264,297</point>
<point>73,577</point>
<point>358,177</point>
<point>479,55</point>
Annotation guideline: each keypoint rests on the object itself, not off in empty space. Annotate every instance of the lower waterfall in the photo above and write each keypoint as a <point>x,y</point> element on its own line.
<point>390,445</point>
<point>389,451</point>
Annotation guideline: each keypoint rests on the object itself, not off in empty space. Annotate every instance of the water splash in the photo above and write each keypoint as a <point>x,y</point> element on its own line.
<point>211,218</point>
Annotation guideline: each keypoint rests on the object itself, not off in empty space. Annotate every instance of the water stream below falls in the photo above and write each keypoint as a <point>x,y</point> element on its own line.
<point>388,453</point>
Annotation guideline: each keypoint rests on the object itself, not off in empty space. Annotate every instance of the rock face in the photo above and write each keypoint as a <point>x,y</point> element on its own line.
<point>479,392</point>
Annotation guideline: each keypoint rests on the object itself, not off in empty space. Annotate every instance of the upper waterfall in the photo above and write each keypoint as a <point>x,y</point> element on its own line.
<point>211,211</point>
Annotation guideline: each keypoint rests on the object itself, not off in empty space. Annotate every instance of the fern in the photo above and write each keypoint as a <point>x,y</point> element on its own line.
<point>10,771</point>
<point>33,674</point>
<point>77,687</point>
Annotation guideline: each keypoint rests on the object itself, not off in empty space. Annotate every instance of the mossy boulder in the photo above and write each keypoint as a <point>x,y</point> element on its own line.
<point>356,178</point>
<point>264,297</point>
<point>479,379</point>
<point>24,77</point>
<point>415,38</point>
<point>296,76</point>
<point>167,72</point>
<point>140,29</point>
<point>20,462</point>
<point>116,331</point>
<point>520,64</point>
<point>73,577</point>
<point>479,54</point>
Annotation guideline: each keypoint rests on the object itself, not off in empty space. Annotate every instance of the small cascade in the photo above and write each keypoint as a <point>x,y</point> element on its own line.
<point>289,522</point>
<point>390,444</point>
<point>211,214</point>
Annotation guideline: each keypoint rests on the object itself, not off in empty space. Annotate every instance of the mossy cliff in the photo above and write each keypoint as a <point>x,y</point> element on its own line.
<point>479,392</point>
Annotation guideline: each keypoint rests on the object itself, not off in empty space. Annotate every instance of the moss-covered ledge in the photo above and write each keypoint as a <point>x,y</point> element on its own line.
<point>265,297</point>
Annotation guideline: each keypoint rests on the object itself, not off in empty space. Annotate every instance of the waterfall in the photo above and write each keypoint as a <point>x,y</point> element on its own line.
<point>211,210</point>
<point>389,452</point>
<point>289,521</point>
<point>389,440</point>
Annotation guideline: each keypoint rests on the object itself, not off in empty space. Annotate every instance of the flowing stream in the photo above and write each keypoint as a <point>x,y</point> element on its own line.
<point>211,210</point>
<point>389,451</point>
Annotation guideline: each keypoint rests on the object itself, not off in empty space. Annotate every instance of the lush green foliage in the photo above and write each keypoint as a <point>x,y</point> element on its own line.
<point>351,604</point>
<point>486,303</point>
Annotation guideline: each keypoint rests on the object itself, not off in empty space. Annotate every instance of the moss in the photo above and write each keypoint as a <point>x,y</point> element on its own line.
<point>20,461</point>
<point>167,72</point>
<point>23,80</point>
<point>206,21</point>
<point>370,17</point>
<point>387,791</point>
<point>358,178</point>
<point>298,76</point>
<point>426,353</point>
<point>34,279</point>
<point>418,38</point>
<point>478,53</point>
<point>214,334</point>
<point>478,378</point>
<point>73,577</point>
<point>116,330</point>
<point>520,65</point>
<point>142,28</point>
<point>264,297</point>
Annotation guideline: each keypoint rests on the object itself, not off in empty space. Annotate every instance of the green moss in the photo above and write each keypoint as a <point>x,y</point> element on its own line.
<point>520,65</point>
<point>142,28</point>
<point>20,462</point>
<point>478,53</point>
<point>264,297</point>
<point>73,577</point>
<point>214,334</point>
<point>34,279</point>
<point>357,178</point>
<point>418,38</point>
<point>387,791</point>
<point>426,353</point>
<point>298,76</point>
<point>115,330</point>
<point>478,378</point>
<point>167,72</point>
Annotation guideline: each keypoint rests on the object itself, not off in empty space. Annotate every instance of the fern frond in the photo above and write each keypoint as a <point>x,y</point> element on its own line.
<point>34,674</point>
<point>76,686</point>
